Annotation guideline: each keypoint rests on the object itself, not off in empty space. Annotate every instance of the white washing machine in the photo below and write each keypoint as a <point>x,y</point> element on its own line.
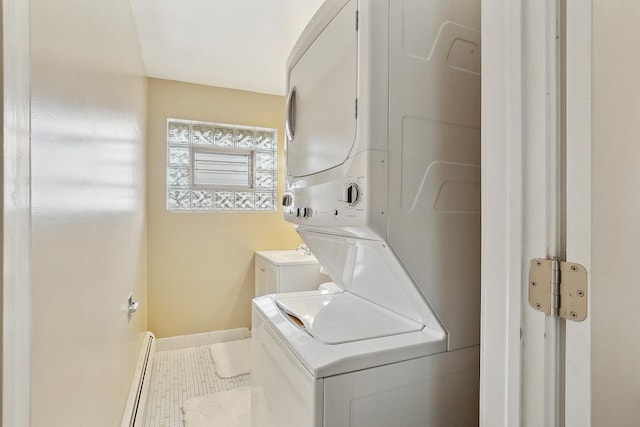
<point>383,183</point>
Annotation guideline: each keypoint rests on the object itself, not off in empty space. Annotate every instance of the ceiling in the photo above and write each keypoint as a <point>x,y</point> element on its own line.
<point>240,44</point>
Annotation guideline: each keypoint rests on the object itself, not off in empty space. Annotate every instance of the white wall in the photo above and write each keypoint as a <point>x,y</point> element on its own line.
<point>88,215</point>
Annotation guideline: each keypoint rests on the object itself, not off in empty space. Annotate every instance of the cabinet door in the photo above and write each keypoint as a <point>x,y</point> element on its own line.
<point>271,278</point>
<point>266,281</point>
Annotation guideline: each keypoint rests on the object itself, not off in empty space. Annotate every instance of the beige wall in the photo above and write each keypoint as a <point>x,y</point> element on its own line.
<point>615,340</point>
<point>200,265</point>
<point>88,210</point>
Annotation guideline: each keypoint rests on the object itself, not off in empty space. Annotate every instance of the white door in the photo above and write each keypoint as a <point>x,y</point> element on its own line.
<point>560,145</point>
<point>613,338</point>
<point>321,121</point>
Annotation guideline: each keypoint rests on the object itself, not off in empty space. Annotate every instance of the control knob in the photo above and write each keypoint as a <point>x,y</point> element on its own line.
<point>287,200</point>
<point>352,194</point>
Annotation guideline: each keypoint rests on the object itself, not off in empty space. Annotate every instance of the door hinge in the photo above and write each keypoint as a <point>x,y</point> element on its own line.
<point>558,288</point>
<point>357,20</point>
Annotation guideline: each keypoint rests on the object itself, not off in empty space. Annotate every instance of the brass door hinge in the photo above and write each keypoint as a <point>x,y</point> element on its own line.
<point>558,288</point>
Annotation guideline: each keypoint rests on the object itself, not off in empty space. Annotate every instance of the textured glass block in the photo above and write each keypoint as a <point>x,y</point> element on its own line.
<point>266,139</point>
<point>202,199</point>
<point>178,132</point>
<point>244,138</point>
<point>265,161</point>
<point>223,200</point>
<point>202,134</point>
<point>178,178</point>
<point>179,200</point>
<point>264,181</point>
<point>244,201</point>
<point>179,156</point>
<point>223,136</point>
<point>265,201</point>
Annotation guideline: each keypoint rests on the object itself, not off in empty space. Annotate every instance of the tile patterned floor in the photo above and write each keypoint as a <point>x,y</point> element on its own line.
<point>177,376</point>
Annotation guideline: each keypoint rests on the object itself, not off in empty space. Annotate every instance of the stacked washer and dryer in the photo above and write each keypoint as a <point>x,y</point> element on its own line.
<point>383,183</point>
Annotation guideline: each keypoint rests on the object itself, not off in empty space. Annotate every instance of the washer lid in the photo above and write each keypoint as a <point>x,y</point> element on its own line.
<point>343,317</point>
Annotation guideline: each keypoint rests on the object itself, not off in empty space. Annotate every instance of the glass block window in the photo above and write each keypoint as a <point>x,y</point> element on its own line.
<point>221,167</point>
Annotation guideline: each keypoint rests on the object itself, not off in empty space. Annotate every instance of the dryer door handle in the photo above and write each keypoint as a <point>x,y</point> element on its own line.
<point>290,125</point>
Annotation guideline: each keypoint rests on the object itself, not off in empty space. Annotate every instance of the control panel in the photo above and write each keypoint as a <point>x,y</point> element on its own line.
<point>339,198</point>
<point>330,200</point>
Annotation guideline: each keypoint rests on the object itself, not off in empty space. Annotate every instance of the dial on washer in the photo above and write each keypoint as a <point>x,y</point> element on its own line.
<point>352,194</point>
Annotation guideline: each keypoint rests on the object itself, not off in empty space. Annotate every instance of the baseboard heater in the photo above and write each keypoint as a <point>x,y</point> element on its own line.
<point>134,411</point>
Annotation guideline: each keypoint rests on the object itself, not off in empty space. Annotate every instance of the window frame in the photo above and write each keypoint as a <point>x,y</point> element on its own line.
<point>252,168</point>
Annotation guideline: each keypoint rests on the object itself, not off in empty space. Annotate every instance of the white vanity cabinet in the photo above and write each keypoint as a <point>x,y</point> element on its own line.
<point>286,271</point>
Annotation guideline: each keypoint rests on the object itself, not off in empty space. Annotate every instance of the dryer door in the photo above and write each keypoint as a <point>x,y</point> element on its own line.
<point>321,103</point>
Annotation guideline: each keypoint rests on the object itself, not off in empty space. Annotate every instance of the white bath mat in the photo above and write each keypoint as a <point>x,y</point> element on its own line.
<point>232,358</point>
<point>221,409</point>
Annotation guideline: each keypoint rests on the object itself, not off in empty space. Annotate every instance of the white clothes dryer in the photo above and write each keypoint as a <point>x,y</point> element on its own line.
<point>383,183</point>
